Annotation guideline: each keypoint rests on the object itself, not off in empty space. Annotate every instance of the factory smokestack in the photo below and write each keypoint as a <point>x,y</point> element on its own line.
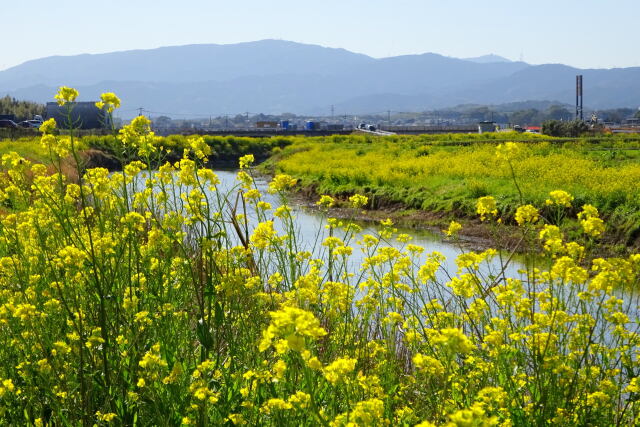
<point>579,112</point>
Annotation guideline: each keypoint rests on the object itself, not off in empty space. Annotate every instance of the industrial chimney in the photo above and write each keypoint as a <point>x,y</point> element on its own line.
<point>579,112</point>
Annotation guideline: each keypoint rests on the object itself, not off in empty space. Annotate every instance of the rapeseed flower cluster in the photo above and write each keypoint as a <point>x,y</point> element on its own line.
<point>147,295</point>
<point>108,101</point>
<point>65,95</point>
<point>526,214</point>
<point>487,207</point>
<point>453,229</point>
<point>560,198</point>
<point>358,200</point>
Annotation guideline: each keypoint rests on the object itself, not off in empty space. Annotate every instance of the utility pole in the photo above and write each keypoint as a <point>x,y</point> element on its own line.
<point>226,121</point>
<point>331,112</point>
<point>140,109</point>
<point>389,117</point>
<point>247,113</point>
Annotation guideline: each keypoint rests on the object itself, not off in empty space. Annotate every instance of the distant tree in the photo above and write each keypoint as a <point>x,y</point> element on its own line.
<point>558,112</point>
<point>478,114</point>
<point>526,117</point>
<point>576,127</point>
<point>617,115</point>
<point>637,115</point>
<point>571,128</point>
<point>23,110</point>
<point>162,122</point>
<point>553,128</point>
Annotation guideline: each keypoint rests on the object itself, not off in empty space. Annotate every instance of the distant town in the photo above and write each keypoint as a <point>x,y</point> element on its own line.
<point>529,116</point>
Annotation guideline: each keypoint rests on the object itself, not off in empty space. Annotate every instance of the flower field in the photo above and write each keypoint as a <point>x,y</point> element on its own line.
<point>153,296</point>
<point>439,173</point>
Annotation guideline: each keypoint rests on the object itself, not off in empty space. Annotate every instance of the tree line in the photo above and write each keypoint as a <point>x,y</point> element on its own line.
<point>22,110</point>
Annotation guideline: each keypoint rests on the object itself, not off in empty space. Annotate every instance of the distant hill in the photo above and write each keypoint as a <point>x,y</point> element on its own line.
<point>274,76</point>
<point>510,107</point>
<point>487,59</point>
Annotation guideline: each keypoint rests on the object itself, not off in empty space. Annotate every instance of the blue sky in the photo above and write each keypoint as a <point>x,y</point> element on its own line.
<point>586,33</point>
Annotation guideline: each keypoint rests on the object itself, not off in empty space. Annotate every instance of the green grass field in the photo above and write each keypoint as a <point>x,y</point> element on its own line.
<point>443,174</point>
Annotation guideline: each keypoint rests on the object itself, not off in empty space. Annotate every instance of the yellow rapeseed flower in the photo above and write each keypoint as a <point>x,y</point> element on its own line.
<point>293,324</point>
<point>507,151</point>
<point>199,147</point>
<point>358,200</point>
<point>560,198</point>
<point>66,94</point>
<point>486,207</point>
<point>337,370</point>
<point>453,229</point>
<point>325,201</point>
<point>526,214</point>
<point>281,182</point>
<point>106,417</point>
<point>454,340</point>
<point>48,126</point>
<point>263,235</point>
<point>593,226</point>
<point>246,161</point>
<point>108,100</point>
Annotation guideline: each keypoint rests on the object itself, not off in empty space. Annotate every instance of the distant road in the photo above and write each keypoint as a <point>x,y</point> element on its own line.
<point>384,131</point>
<point>419,130</point>
<point>374,132</point>
<point>257,133</point>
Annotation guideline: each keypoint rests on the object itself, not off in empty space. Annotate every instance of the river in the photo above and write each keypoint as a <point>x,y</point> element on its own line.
<point>310,225</point>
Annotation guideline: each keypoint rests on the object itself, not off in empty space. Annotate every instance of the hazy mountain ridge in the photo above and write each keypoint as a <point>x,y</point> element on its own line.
<point>273,76</point>
<point>487,59</point>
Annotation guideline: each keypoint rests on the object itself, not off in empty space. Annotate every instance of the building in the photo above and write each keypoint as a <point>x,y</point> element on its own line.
<point>486,126</point>
<point>84,115</point>
<point>533,129</point>
<point>266,125</point>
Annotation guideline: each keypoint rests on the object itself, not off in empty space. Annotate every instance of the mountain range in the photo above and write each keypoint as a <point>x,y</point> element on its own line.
<point>275,76</point>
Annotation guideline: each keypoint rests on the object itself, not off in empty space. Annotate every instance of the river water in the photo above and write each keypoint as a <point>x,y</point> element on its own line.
<point>311,231</point>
